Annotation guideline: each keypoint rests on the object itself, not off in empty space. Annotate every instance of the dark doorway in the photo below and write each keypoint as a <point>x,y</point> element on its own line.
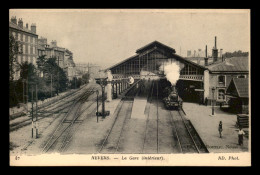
<point>188,90</point>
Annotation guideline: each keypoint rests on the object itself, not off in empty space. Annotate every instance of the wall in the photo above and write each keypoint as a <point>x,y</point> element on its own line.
<point>28,45</point>
<point>213,82</point>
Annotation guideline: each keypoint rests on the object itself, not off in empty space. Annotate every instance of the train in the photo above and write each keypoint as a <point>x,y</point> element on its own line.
<point>171,98</point>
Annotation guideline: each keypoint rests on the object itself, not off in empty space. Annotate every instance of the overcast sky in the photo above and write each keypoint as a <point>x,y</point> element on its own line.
<point>106,37</point>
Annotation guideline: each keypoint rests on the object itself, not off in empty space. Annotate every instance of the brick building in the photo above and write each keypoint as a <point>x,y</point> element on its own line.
<point>28,41</point>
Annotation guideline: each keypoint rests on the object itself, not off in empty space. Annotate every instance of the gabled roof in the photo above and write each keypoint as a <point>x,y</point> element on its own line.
<point>233,64</point>
<point>121,62</point>
<point>151,49</point>
<point>24,29</point>
<point>238,87</point>
<point>155,44</point>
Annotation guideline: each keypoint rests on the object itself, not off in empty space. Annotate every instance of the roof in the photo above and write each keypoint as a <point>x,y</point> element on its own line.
<point>240,85</point>
<point>233,64</point>
<point>178,57</point>
<point>24,29</point>
<point>132,57</point>
<point>157,44</point>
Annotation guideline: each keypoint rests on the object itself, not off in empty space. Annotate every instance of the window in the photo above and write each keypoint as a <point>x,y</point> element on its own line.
<point>23,49</point>
<point>221,79</point>
<point>19,59</point>
<point>31,49</point>
<point>23,37</point>
<point>14,34</point>
<point>19,36</point>
<point>26,58</point>
<point>221,94</point>
<point>26,38</point>
<point>32,60</point>
<point>26,49</point>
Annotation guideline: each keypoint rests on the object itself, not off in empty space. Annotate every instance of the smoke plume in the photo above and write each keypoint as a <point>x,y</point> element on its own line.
<point>172,70</point>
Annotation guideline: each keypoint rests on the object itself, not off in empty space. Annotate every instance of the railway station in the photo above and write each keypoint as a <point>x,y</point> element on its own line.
<point>148,103</point>
<point>148,64</point>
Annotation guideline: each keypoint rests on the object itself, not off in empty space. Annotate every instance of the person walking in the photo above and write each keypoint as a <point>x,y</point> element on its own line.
<point>241,133</point>
<point>220,129</point>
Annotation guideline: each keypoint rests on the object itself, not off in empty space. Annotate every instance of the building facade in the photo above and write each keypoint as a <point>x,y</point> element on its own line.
<point>64,57</point>
<point>28,42</point>
<point>221,73</point>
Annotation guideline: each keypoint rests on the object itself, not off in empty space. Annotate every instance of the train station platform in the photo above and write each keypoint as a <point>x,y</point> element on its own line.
<point>139,107</point>
<point>207,128</point>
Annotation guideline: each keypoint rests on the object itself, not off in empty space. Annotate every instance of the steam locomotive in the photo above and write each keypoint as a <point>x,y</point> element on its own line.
<point>171,99</point>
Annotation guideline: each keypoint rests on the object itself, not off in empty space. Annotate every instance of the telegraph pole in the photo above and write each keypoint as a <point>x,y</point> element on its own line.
<point>36,122</point>
<point>32,112</point>
<point>27,87</point>
<point>58,74</point>
<point>23,92</point>
<point>51,85</point>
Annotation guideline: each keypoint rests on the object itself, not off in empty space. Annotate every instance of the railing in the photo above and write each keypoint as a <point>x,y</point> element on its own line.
<point>191,77</point>
<point>120,76</point>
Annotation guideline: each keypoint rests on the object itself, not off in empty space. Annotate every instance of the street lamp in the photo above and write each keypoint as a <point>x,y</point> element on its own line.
<point>97,104</point>
<point>213,90</point>
<point>103,82</point>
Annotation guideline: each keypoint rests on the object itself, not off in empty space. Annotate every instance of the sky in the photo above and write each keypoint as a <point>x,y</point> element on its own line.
<point>106,37</point>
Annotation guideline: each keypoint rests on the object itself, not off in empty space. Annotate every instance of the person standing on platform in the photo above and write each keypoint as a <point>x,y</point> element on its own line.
<point>241,133</point>
<point>220,129</point>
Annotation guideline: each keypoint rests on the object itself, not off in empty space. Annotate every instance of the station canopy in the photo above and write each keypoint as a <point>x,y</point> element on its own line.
<point>152,58</point>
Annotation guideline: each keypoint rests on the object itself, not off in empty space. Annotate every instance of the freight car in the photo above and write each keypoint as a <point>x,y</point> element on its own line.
<point>171,98</point>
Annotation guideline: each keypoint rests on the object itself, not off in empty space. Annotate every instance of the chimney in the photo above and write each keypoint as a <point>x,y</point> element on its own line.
<point>20,23</point>
<point>33,27</point>
<point>14,20</point>
<point>206,63</point>
<point>206,52</point>
<point>215,51</point>
<point>215,42</point>
<point>27,25</point>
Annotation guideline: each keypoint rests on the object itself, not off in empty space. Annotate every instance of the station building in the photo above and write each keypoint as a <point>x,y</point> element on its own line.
<point>195,81</point>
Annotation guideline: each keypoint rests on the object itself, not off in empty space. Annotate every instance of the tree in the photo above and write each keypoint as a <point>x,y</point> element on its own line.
<point>85,78</point>
<point>52,73</point>
<point>13,51</point>
<point>14,95</point>
<point>238,53</point>
<point>28,72</point>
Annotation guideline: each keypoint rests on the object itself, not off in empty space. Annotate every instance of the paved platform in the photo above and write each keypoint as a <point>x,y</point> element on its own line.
<point>207,128</point>
<point>138,108</point>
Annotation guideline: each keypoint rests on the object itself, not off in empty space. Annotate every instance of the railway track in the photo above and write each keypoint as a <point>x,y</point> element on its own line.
<point>111,143</point>
<point>153,123</point>
<point>150,98</point>
<point>61,136</point>
<point>60,106</point>
<point>187,137</point>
